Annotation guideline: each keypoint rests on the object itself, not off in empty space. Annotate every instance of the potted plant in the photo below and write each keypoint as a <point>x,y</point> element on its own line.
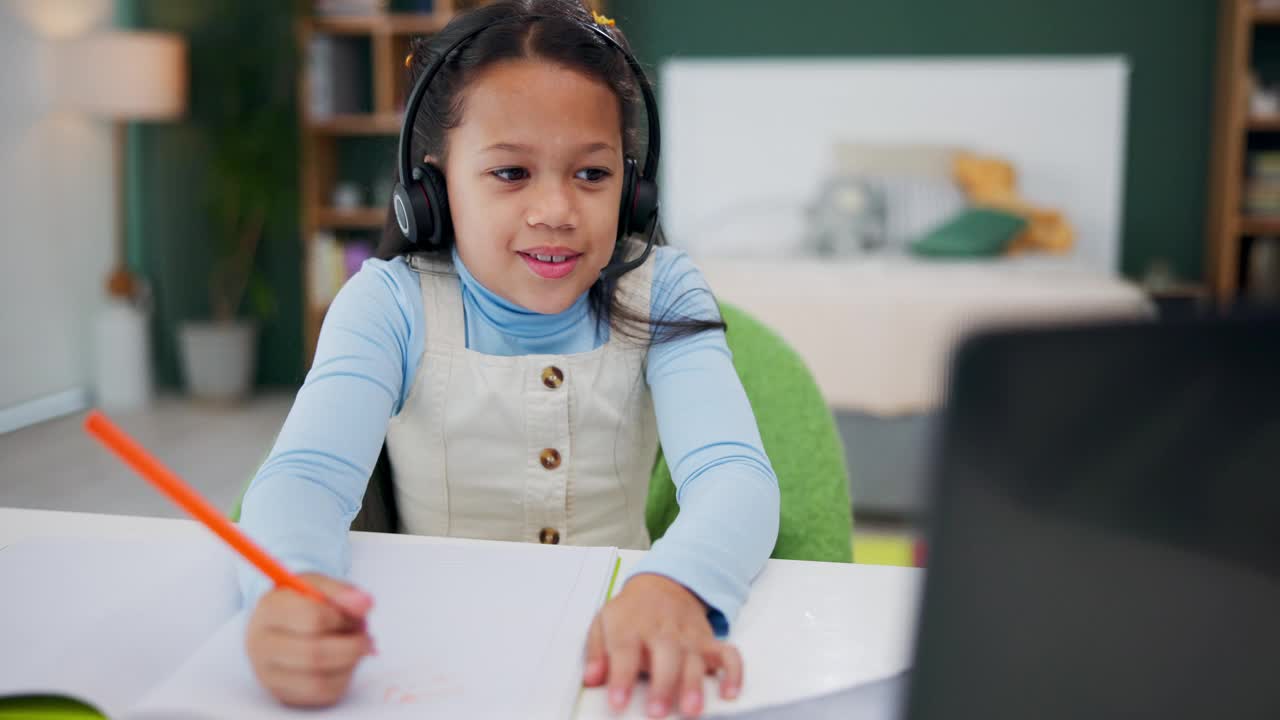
<point>248,120</point>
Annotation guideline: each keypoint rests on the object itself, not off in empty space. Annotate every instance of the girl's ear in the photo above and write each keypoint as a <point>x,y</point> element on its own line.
<point>433,161</point>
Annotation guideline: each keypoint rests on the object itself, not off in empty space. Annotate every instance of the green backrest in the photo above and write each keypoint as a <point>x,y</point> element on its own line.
<point>800,438</point>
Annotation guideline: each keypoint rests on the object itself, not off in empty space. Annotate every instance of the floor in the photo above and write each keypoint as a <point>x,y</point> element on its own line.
<point>57,466</point>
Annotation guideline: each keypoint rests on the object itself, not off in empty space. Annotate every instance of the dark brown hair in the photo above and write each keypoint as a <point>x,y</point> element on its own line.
<point>554,30</point>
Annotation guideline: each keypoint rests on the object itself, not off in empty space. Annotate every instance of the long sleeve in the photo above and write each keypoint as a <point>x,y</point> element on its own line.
<point>300,504</point>
<point>726,488</point>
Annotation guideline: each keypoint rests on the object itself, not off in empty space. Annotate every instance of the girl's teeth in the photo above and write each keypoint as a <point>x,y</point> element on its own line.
<point>551,258</point>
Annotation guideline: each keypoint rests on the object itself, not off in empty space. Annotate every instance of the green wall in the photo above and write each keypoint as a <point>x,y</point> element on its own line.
<point>171,237</point>
<point>1170,45</point>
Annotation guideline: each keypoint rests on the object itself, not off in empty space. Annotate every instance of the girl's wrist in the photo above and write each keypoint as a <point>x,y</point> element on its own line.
<point>663,584</point>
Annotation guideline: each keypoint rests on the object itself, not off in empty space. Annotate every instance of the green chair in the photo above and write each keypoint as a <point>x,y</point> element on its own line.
<point>799,436</point>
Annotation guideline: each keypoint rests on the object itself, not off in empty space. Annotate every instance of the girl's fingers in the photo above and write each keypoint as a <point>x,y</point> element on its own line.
<point>665,656</point>
<point>723,656</point>
<point>307,689</point>
<point>326,653</point>
<point>353,602</point>
<point>690,696</point>
<point>304,652</point>
<point>597,658</point>
<point>287,611</point>
<point>624,665</point>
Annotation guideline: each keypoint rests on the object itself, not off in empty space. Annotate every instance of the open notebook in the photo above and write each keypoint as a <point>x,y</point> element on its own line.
<point>154,630</point>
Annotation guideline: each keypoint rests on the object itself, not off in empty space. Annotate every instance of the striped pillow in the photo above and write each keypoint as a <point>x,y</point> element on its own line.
<point>914,205</point>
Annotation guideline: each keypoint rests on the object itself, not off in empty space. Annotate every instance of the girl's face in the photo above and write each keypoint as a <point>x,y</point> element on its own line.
<point>534,172</point>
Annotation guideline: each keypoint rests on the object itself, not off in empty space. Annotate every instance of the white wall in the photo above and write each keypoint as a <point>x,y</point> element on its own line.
<point>57,210</point>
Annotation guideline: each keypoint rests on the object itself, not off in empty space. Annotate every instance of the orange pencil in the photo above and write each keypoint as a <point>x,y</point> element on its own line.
<point>189,500</point>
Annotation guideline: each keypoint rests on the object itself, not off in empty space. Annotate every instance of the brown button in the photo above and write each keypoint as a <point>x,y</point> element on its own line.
<point>552,377</point>
<point>549,536</point>
<point>550,458</point>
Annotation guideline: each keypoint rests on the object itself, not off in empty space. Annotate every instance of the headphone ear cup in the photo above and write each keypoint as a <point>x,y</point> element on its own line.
<point>644,206</point>
<point>412,212</point>
<point>437,196</point>
<point>627,201</point>
<point>639,201</point>
<point>422,208</point>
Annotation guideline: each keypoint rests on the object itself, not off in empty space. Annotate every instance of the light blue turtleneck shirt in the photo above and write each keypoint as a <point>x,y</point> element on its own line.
<point>303,498</point>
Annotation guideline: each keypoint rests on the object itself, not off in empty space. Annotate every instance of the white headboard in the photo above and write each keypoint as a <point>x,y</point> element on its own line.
<point>745,141</point>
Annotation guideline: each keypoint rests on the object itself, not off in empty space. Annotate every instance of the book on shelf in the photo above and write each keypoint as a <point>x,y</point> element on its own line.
<point>336,77</point>
<point>1262,188</point>
<point>353,256</point>
<point>333,262</point>
<point>412,6</point>
<point>350,7</point>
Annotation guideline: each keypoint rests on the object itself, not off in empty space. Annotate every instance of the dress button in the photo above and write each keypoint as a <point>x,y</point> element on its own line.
<point>552,377</point>
<point>549,536</point>
<point>550,458</point>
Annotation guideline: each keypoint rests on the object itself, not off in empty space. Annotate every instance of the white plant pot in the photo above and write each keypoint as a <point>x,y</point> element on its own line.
<point>122,357</point>
<point>218,359</point>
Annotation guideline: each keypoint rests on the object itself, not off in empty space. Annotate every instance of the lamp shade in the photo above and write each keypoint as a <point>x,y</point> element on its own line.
<point>123,75</point>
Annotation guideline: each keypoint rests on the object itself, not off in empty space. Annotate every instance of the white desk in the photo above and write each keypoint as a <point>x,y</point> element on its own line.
<point>808,628</point>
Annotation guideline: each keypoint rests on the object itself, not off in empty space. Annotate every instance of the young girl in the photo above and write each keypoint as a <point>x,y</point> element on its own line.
<point>520,392</point>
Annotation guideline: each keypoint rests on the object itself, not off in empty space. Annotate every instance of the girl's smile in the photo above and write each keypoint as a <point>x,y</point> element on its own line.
<point>551,263</point>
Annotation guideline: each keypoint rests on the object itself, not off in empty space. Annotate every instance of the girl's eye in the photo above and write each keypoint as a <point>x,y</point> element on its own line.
<point>593,175</point>
<point>511,174</point>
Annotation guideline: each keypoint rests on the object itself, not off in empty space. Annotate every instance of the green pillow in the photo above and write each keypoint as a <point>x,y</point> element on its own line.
<point>975,232</point>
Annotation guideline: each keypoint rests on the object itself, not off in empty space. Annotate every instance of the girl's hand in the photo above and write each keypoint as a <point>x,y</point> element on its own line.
<point>305,652</point>
<point>656,626</point>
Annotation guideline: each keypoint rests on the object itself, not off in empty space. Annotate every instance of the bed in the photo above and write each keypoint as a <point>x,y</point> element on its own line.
<point>875,323</point>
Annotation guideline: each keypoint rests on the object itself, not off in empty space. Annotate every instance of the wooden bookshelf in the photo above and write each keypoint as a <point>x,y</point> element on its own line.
<point>1264,123</point>
<point>1266,17</point>
<point>388,36</point>
<point>383,23</point>
<point>1228,226</point>
<point>1259,225</point>
<point>357,124</point>
<point>368,218</point>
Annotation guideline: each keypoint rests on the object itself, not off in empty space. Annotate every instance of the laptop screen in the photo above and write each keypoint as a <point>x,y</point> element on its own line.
<point>1105,530</point>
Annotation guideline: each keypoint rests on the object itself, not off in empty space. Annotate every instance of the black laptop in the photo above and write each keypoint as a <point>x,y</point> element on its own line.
<point>1105,528</point>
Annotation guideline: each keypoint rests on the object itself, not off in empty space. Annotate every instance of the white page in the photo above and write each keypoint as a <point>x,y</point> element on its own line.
<point>104,620</point>
<point>484,630</point>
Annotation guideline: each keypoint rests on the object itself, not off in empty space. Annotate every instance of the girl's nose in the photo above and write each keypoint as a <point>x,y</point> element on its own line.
<point>553,207</point>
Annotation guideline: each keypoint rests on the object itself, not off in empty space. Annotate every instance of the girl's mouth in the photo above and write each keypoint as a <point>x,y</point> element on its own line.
<point>550,263</point>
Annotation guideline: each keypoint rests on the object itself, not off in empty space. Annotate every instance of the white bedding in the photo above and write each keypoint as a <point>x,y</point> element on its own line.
<point>878,332</point>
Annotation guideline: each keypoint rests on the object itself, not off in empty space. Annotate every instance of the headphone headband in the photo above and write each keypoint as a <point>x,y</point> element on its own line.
<point>419,92</point>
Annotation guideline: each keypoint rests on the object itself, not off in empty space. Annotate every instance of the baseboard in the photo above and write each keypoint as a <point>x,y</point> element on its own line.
<point>44,408</point>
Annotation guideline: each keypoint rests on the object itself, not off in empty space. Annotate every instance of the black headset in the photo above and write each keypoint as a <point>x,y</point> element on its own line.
<point>421,202</point>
